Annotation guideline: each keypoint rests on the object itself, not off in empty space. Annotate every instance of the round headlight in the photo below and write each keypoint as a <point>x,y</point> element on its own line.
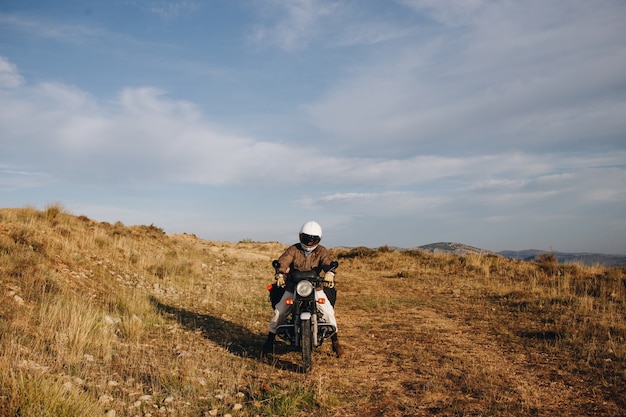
<point>304,288</point>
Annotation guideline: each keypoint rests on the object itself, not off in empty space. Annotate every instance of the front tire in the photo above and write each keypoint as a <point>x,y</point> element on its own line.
<point>307,345</point>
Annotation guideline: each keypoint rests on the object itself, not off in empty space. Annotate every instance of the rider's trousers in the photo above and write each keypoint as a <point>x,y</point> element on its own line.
<point>282,309</point>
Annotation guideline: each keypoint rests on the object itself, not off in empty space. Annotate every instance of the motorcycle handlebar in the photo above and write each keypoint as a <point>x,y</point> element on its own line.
<point>333,265</point>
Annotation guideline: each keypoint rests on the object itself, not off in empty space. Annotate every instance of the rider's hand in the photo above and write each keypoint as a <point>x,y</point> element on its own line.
<point>330,279</point>
<point>280,280</point>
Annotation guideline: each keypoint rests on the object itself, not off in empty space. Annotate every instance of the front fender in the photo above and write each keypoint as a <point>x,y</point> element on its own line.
<point>305,315</point>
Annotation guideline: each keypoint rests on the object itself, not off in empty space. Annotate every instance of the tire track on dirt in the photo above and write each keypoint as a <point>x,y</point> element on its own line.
<point>429,364</point>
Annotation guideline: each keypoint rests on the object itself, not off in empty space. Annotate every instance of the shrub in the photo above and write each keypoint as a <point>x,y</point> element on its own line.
<point>358,252</point>
<point>52,211</point>
<point>548,263</point>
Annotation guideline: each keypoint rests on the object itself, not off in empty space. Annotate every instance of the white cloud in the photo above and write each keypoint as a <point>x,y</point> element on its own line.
<point>510,187</point>
<point>538,75</point>
<point>605,186</point>
<point>12,179</point>
<point>44,28</point>
<point>64,98</point>
<point>450,12</point>
<point>9,75</point>
<point>173,9</point>
<point>296,25</point>
<point>383,204</point>
<point>148,136</point>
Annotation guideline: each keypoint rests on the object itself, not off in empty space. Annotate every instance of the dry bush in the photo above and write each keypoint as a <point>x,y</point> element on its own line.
<point>30,395</point>
<point>358,252</point>
<point>71,329</point>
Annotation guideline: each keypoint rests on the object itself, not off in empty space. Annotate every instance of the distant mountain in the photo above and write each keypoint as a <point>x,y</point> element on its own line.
<point>582,257</point>
<point>528,254</point>
<point>452,248</point>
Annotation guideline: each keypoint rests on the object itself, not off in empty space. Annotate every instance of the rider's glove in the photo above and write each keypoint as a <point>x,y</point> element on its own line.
<point>280,280</point>
<point>330,279</point>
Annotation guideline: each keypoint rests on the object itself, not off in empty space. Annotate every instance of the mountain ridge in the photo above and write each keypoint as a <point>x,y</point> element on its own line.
<point>454,248</point>
<point>586,258</point>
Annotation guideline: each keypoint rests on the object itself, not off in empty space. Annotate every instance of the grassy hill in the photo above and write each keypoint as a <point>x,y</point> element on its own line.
<point>452,248</point>
<point>107,319</point>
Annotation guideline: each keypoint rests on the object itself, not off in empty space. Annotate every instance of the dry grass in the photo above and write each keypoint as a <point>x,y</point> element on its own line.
<point>98,317</point>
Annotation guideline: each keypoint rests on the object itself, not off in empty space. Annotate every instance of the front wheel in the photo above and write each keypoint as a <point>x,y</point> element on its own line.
<point>307,345</point>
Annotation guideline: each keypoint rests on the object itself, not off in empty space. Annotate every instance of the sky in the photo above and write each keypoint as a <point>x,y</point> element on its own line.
<point>497,124</point>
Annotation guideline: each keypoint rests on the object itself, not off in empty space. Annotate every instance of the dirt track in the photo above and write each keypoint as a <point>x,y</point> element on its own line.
<point>404,359</point>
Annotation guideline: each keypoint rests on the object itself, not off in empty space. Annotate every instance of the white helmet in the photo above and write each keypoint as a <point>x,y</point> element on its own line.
<point>310,235</point>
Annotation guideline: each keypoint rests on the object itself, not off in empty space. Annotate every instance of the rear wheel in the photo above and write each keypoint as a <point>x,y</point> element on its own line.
<point>307,345</point>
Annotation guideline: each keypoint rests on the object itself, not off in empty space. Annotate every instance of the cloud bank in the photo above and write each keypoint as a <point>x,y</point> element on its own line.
<point>441,119</point>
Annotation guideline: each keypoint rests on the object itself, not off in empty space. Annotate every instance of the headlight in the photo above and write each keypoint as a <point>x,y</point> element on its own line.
<point>304,288</point>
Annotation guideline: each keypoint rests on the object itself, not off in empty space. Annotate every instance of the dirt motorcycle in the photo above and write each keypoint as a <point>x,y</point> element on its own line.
<point>303,327</point>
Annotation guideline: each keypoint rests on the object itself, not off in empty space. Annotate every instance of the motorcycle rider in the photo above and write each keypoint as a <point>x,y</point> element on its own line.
<point>306,255</point>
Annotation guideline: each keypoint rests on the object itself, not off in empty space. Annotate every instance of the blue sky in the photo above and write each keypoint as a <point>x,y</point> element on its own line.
<point>499,124</point>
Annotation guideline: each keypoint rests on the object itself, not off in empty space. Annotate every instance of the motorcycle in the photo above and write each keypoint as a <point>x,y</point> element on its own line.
<point>303,327</point>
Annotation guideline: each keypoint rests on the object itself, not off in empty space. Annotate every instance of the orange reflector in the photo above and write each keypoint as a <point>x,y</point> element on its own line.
<point>270,286</point>
<point>289,301</point>
<point>321,301</point>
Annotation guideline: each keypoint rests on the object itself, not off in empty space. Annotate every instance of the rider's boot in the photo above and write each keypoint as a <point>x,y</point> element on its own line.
<point>268,347</point>
<point>337,347</point>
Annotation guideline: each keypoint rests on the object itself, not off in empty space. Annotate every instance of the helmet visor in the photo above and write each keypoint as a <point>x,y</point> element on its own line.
<point>309,240</point>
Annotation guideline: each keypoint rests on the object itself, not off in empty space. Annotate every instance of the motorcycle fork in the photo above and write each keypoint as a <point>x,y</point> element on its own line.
<point>296,327</point>
<point>314,324</point>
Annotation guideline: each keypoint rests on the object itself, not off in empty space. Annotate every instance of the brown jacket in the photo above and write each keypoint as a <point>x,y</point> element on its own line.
<point>294,258</point>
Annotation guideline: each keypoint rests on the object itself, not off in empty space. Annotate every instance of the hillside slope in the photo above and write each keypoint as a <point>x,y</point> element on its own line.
<point>125,320</point>
<point>452,248</point>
